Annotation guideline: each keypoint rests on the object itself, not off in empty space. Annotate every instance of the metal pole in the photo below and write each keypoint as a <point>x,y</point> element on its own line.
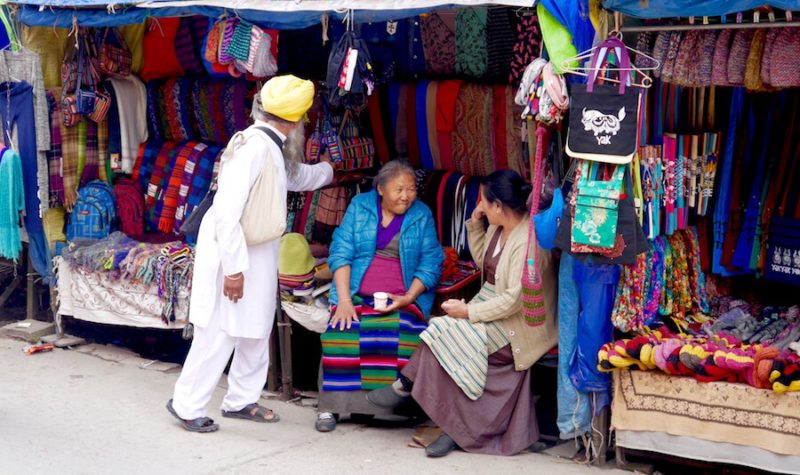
<point>721,26</point>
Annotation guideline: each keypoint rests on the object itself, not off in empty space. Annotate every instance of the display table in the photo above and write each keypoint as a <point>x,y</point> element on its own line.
<point>100,298</point>
<point>720,422</point>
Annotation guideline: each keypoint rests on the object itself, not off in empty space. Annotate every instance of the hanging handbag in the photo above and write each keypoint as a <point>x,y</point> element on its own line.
<point>358,151</point>
<point>629,240</point>
<point>74,102</point>
<point>603,119</point>
<point>102,104</point>
<point>314,142</point>
<point>115,57</point>
<point>330,137</point>
<point>533,310</point>
<point>596,208</point>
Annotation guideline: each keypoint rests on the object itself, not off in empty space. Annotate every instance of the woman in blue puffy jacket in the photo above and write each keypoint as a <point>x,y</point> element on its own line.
<point>386,243</point>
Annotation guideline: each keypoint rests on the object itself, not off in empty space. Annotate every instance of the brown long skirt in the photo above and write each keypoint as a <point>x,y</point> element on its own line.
<point>501,422</point>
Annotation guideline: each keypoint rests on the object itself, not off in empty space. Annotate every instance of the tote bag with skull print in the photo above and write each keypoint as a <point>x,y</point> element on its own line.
<point>603,119</point>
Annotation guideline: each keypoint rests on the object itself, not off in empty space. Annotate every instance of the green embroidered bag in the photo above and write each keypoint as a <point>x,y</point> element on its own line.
<point>597,207</point>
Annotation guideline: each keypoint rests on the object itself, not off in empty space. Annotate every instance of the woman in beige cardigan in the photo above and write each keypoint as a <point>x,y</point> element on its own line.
<point>472,374</point>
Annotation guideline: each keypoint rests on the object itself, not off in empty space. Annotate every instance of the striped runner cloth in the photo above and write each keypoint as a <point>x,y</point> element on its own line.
<point>371,354</point>
<point>463,348</point>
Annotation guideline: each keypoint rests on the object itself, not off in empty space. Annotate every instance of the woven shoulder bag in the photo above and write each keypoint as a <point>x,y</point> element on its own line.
<point>533,310</point>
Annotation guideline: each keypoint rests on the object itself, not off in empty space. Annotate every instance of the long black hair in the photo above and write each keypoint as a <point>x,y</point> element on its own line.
<point>509,188</point>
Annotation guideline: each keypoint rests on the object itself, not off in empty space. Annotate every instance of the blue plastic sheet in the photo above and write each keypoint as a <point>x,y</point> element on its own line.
<point>684,8</point>
<point>63,17</point>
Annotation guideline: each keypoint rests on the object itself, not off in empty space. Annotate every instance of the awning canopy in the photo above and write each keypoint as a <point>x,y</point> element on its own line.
<point>278,14</point>
<point>685,8</point>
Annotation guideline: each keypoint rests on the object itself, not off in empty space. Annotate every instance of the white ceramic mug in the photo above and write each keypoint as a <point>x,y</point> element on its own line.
<point>381,300</point>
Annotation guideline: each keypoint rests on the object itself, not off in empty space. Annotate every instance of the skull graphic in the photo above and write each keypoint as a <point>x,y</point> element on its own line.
<point>604,126</point>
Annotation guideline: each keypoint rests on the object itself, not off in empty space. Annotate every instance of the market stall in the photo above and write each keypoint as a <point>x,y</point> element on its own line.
<point>666,183</point>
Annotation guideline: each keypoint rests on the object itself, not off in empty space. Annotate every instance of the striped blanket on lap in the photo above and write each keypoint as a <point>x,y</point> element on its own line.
<point>372,352</point>
<point>463,348</point>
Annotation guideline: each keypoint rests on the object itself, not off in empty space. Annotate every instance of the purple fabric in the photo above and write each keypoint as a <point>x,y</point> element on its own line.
<point>385,235</point>
<point>383,275</point>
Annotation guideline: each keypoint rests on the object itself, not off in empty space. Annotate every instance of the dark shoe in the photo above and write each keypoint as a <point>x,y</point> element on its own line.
<point>386,397</point>
<point>326,422</point>
<point>201,424</point>
<point>253,412</point>
<point>441,446</point>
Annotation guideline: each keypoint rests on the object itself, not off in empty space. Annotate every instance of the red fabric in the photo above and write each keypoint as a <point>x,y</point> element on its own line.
<point>439,205</point>
<point>383,275</point>
<point>160,58</point>
<point>446,95</point>
<point>381,147</point>
<point>138,165</point>
<point>411,117</point>
<point>500,130</point>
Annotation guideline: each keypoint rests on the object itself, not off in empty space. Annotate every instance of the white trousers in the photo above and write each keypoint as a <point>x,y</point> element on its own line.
<point>211,349</point>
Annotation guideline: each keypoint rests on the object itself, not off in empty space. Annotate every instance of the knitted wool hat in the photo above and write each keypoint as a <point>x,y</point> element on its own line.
<point>668,73</point>
<point>660,50</point>
<point>287,97</point>
<point>719,68</point>
<point>752,75</point>
<point>784,60</point>
<point>294,258</point>
<point>737,59</point>
<point>706,63</point>
<point>766,57</point>
<point>686,59</point>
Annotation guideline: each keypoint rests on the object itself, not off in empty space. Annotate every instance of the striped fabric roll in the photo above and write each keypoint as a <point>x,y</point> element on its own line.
<point>371,354</point>
<point>202,178</point>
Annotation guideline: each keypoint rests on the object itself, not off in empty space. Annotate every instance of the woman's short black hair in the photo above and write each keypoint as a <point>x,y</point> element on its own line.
<point>509,188</point>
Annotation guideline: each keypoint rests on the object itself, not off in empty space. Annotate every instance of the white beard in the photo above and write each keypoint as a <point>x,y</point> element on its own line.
<point>294,149</point>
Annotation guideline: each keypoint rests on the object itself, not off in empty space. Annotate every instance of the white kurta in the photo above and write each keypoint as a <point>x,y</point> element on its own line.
<point>221,248</point>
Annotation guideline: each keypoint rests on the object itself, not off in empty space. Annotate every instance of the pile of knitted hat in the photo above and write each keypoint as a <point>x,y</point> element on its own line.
<point>717,358</point>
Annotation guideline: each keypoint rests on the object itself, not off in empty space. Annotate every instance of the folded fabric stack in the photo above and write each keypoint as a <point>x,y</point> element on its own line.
<point>296,265</point>
<point>715,358</point>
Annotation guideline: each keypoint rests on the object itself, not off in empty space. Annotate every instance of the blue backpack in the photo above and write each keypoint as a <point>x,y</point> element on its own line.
<point>94,212</point>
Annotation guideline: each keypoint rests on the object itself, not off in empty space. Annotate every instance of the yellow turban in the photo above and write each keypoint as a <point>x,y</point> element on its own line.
<point>287,97</point>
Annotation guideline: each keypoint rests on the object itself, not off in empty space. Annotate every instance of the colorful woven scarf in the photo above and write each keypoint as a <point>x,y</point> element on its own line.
<point>88,142</point>
<point>189,171</point>
<point>54,154</point>
<point>158,179</point>
<point>202,178</point>
<point>166,221</point>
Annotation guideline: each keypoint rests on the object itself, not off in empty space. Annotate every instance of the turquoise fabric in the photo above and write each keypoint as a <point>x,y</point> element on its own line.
<point>354,242</point>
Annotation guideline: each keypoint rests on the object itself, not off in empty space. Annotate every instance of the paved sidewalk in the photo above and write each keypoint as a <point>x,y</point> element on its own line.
<point>98,411</point>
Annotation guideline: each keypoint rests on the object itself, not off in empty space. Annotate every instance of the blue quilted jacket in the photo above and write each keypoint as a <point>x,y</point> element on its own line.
<point>354,242</point>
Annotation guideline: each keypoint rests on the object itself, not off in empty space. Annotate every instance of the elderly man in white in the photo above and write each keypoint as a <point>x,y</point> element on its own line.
<point>234,289</point>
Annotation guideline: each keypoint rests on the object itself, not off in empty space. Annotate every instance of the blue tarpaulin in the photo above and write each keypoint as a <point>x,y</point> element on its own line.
<point>685,8</point>
<point>35,13</point>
